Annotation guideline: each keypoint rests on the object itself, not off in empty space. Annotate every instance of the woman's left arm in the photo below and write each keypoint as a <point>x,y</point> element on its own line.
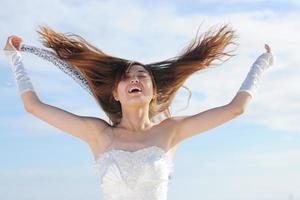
<point>188,126</point>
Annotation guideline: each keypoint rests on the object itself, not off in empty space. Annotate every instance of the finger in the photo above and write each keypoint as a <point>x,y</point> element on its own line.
<point>16,44</point>
<point>267,47</point>
<point>18,39</point>
<point>10,40</point>
<point>12,44</point>
<point>13,38</point>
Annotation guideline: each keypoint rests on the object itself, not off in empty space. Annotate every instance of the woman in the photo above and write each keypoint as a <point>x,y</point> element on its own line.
<point>133,153</point>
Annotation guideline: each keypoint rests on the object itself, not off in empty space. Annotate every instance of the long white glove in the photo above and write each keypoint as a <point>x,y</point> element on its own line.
<point>22,80</point>
<point>262,63</point>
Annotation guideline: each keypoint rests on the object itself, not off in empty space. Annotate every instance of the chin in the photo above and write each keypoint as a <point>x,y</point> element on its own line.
<point>138,102</point>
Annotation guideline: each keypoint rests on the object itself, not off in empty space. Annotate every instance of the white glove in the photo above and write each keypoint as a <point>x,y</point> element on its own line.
<point>262,63</point>
<point>21,78</point>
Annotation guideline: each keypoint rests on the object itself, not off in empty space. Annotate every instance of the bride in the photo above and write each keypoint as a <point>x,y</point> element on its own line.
<point>133,151</point>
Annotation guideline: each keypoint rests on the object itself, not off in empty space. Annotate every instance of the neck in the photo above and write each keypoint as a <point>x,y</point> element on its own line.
<point>135,119</point>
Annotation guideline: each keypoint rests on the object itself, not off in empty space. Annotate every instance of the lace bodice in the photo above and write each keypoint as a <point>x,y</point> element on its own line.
<point>134,175</point>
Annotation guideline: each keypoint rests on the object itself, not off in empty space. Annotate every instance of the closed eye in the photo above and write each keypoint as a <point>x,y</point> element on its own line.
<point>140,75</point>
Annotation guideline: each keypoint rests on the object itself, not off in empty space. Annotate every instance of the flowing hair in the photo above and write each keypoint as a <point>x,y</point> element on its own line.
<point>103,72</point>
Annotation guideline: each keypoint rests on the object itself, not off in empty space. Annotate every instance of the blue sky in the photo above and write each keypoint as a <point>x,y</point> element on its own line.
<point>254,156</point>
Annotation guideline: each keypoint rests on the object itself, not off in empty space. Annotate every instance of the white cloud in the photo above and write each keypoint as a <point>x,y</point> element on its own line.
<point>159,33</point>
<point>46,183</point>
<point>238,175</point>
<point>277,91</point>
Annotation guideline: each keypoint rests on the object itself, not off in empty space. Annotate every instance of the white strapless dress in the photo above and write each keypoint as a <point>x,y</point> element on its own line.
<point>134,175</point>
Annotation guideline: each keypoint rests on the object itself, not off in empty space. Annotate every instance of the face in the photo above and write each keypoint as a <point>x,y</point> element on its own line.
<point>136,88</point>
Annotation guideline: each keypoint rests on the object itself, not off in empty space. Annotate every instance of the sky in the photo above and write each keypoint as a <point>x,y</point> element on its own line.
<point>253,156</point>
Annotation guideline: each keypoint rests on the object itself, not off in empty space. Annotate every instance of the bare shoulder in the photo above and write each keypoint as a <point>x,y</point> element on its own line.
<point>167,124</point>
<point>172,122</point>
<point>99,124</point>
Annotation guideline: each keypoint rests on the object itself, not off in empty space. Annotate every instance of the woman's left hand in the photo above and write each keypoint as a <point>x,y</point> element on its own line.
<point>270,57</point>
<point>268,48</point>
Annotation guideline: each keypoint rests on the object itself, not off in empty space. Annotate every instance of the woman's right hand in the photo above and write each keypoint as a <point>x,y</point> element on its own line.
<point>13,43</point>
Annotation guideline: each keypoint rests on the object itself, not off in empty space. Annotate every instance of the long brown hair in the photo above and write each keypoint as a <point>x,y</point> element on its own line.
<point>103,72</point>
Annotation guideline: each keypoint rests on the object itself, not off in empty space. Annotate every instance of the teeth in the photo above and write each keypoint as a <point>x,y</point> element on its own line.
<point>131,89</point>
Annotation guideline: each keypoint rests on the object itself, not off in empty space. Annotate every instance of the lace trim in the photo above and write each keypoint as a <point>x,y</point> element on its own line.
<point>63,66</point>
<point>106,157</point>
<point>130,152</point>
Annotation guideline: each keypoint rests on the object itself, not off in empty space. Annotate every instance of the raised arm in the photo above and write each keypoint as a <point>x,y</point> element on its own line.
<point>89,129</point>
<point>188,126</point>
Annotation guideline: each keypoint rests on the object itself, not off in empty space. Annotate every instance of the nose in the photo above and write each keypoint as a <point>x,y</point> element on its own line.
<point>134,80</point>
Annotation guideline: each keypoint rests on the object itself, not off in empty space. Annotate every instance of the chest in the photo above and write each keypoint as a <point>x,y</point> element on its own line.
<point>133,169</point>
<point>159,136</point>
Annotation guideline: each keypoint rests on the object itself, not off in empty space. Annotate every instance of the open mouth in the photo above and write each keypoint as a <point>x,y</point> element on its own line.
<point>135,90</point>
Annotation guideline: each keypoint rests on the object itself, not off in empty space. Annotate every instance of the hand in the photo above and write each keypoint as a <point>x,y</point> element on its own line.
<point>267,47</point>
<point>13,43</point>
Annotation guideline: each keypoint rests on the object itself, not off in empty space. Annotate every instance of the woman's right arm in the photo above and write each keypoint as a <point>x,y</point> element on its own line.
<point>89,129</point>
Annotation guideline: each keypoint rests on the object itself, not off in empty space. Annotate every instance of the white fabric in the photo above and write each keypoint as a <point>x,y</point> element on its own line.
<point>22,79</point>
<point>262,63</point>
<point>139,175</point>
